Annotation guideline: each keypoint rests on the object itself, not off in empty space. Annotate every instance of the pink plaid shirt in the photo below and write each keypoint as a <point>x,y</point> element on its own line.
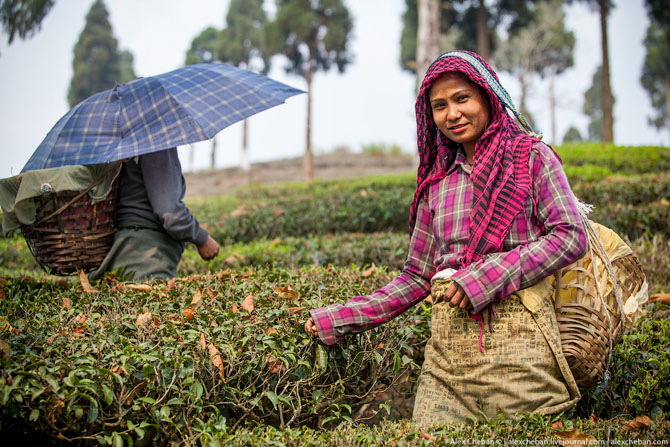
<point>533,249</point>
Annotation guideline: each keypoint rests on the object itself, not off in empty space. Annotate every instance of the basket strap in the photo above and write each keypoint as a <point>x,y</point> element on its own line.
<point>77,197</point>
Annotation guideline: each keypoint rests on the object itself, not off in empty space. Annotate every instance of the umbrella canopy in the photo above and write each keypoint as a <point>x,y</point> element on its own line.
<point>186,105</point>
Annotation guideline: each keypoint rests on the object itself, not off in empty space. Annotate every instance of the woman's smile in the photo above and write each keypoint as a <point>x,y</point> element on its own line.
<point>458,128</point>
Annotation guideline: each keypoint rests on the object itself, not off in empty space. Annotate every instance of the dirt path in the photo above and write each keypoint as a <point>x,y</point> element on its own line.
<point>221,181</point>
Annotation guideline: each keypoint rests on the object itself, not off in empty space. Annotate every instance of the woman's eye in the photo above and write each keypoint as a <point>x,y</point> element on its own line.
<point>462,98</point>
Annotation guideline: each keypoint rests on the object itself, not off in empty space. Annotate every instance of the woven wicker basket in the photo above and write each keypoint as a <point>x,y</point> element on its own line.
<point>71,233</point>
<point>589,325</point>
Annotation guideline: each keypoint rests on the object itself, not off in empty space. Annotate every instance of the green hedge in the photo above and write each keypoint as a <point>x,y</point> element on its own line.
<point>528,430</point>
<point>382,249</point>
<point>362,249</point>
<point>618,159</point>
<point>633,221</point>
<point>81,366</point>
<point>631,190</point>
<point>85,366</point>
<point>308,209</point>
<point>639,372</point>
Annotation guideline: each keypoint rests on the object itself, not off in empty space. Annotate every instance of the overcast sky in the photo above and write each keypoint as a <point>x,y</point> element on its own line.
<point>372,102</point>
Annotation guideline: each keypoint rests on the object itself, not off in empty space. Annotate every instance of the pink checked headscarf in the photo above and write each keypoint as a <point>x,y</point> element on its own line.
<point>500,177</point>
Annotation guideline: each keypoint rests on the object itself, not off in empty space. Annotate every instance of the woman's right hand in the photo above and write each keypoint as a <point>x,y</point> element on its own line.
<point>457,297</point>
<point>310,327</point>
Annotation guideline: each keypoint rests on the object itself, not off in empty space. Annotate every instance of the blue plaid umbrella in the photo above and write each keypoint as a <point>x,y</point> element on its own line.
<point>190,104</point>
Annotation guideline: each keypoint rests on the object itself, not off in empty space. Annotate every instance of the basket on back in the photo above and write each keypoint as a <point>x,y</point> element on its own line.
<point>595,298</point>
<point>70,232</point>
<point>68,219</point>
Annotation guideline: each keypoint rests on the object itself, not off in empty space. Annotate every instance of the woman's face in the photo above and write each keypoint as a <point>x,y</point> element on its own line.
<point>460,110</point>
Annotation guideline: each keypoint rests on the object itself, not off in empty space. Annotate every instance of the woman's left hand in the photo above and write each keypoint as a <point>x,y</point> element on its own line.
<point>457,297</point>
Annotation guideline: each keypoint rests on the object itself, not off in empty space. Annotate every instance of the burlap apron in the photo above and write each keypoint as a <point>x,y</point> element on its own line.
<point>145,253</point>
<point>521,370</point>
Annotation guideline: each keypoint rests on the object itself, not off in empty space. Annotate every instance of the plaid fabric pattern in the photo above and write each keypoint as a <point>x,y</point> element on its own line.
<point>190,104</point>
<point>501,178</point>
<point>544,237</point>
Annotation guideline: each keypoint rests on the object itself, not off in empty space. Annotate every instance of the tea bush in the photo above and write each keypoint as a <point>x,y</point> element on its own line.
<point>639,372</point>
<point>630,190</point>
<point>618,159</point>
<point>163,358</point>
<point>327,207</point>
<point>527,430</point>
<point>381,249</point>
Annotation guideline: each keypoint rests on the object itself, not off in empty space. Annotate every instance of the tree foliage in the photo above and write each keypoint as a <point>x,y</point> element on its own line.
<point>204,47</point>
<point>410,20</point>
<point>467,25</point>
<point>572,135</point>
<point>243,41</point>
<point>656,70</point>
<point>314,36</point>
<point>98,64</point>
<point>542,48</point>
<point>593,107</point>
<point>23,18</point>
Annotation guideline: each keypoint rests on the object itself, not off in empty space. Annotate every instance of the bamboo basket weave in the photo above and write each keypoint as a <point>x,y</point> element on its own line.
<point>70,233</point>
<point>591,324</point>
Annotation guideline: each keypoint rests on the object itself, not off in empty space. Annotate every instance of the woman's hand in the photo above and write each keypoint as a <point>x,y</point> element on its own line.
<point>457,297</point>
<point>310,327</point>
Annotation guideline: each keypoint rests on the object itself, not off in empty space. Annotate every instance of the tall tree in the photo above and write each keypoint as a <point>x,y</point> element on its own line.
<point>606,97</point>
<point>23,18</point>
<point>428,35</point>
<point>410,21</point>
<point>544,47</point>
<point>593,107</point>
<point>314,36</point>
<point>656,69</point>
<point>98,64</point>
<point>243,43</point>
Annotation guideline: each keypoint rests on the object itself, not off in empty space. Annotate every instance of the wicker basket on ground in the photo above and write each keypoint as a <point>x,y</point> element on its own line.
<point>70,233</point>
<point>590,316</point>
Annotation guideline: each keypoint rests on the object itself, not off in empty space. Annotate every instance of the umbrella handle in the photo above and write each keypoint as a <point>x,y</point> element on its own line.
<point>77,197</point>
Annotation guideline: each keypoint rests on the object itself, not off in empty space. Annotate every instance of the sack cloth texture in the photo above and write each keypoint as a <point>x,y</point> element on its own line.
<point>521,370</point>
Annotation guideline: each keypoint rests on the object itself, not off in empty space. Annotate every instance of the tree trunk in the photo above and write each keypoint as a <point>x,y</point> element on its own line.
<point>552,105</point>
<point>607,98</point>
<point>667,98</point>
<point>483,32</point>
<point>524,92</point>
<point>307,161</point>
<point>213,166</point>
<point>244,162</point>
<point>428,36</point>
<point>191,157</point>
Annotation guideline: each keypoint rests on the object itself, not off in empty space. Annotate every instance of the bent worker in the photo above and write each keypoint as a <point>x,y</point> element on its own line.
<point>153,223</point>
<point>492,218</point>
